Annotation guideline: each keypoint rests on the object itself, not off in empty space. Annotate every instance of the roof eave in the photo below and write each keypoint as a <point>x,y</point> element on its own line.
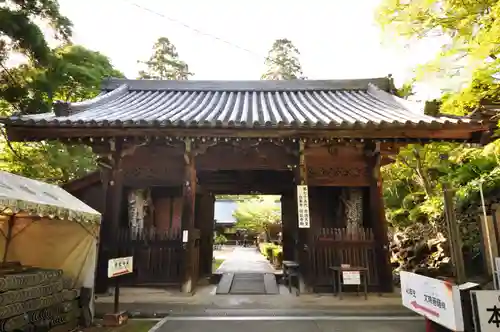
<point>450,131</point>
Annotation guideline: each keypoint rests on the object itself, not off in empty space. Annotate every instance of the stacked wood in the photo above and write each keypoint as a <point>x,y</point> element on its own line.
<point>420,249</point>
<point>34,299</point>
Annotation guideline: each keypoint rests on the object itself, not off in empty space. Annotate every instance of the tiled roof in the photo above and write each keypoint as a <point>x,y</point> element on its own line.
<point>244,104</point>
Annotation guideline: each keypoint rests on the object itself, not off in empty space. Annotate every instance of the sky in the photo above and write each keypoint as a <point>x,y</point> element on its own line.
<point>336,39</point>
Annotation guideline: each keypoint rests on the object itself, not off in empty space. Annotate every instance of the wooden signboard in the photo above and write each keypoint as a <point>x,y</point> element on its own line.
<point>303,206</point>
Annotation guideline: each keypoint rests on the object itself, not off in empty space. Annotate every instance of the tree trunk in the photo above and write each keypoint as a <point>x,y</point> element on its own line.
<point>421,173</point>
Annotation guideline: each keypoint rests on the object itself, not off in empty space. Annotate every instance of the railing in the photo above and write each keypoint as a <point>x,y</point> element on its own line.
<point>335,246</point>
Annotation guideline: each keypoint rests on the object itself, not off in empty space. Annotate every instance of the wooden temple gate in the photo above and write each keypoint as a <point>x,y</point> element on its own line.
<point>167,147</point>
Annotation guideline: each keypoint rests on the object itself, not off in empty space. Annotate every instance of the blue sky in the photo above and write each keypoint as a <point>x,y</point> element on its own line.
<point>337,39</point>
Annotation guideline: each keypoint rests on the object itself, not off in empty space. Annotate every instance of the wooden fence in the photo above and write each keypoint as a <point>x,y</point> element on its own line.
<point>336,246</point>
<point>157,255</point>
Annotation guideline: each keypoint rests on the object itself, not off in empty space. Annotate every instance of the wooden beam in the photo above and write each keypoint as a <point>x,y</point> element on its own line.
<point>190,276</point>
<point>455,131</point>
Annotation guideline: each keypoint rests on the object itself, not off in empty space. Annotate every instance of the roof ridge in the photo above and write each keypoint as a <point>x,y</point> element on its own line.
<point>246,85</point>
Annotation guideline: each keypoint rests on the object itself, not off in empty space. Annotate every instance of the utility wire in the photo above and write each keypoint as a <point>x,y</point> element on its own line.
<point>198,31</point>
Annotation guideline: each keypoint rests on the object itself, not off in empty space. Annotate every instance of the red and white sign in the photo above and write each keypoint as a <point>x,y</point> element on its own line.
<point>435,299</point>
<point>120,266</point>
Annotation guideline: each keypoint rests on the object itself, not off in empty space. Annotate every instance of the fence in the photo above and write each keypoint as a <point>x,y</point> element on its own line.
<point>157,255</point>
<point>336,246</point>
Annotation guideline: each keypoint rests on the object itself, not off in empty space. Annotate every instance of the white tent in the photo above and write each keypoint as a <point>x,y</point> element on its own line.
<point>42,225</point>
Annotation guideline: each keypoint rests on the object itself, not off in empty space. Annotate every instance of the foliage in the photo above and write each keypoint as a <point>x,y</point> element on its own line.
<point>20,33</point>
<point>164,63</point>
<point>74,74</point>
<point>220,239</point>
<point>469,56</point>
<point>471,43</point>
<point>257,214</point>
<point>282,62</point>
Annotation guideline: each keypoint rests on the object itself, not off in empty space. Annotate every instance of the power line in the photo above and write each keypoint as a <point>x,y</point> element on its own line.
<point>198,30</point>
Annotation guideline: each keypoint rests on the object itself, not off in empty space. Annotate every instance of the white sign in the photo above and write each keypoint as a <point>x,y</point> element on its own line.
<point>488,310</point>
<point>351,277</point>
<point>185,235</point>
<point>434,299</point>
<point>303,206</point>
<point>120,266</point>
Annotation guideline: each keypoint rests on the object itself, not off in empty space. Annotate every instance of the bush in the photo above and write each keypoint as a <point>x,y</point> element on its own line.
<point>273,253</point>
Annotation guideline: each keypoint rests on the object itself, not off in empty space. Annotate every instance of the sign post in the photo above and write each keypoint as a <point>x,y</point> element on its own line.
<point>118,267</point>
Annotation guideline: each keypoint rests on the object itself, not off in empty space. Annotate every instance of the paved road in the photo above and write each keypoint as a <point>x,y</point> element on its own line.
<point>310,325</point>
<point>245,260</point>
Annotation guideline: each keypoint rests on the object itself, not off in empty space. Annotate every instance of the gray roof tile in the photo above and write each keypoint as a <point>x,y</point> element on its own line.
<point>301,103</point>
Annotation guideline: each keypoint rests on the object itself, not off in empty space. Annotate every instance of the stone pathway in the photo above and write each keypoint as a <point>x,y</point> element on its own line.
<point>248,260</point>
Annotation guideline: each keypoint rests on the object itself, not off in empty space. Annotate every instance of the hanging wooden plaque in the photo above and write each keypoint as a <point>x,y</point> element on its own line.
<point>303,206</point>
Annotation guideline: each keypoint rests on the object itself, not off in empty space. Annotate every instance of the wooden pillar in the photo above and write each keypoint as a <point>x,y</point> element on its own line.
<point>301,245</point>
<point>188,218</point>
<point>205,223</point>
<point>101,278</point>
<point>112,180</point>
<point>290,226</point>
<point>378,222</point>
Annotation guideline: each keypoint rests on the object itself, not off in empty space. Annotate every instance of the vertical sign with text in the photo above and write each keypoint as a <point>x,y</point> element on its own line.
<point>303,206</point>
<point>488,310</point>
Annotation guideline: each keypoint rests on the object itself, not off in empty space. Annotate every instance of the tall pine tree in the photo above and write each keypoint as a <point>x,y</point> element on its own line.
<point>282,62</point>
<point>164,63</point>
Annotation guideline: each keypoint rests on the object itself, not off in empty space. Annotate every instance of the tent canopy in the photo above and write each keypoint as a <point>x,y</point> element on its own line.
<point>42,225</point>
<point>23,195</point>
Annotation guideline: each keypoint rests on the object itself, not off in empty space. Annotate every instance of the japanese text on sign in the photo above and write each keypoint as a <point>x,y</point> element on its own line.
<point>351,277</point>
<point>120,266</point>
<point>435,299</point>
<point>488,310</point>
<point>303,206</point>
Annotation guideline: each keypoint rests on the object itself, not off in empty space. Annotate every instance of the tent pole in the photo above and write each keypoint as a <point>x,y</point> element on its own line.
<point>8,238</point>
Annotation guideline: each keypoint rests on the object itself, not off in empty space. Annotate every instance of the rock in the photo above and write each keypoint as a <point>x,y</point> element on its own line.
<point>420,249</point>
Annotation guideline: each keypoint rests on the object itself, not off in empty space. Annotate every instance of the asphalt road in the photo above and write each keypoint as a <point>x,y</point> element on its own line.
<point>296,324</point>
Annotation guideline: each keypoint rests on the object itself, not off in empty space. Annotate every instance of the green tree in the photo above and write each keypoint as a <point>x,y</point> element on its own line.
<point>472,31</point>
<point>164,63</point>
<point>75,74</point>
<point>19,31</point>
<point>256,214</point>
<point>282,62</point>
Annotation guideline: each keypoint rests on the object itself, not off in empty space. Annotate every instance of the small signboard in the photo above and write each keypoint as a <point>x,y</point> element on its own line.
<point>185,236</point>
<point>435,299</point>
<point>120,266</point>
<point>351,277</point>
<point>303,206</point>
<point>487,312</point>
